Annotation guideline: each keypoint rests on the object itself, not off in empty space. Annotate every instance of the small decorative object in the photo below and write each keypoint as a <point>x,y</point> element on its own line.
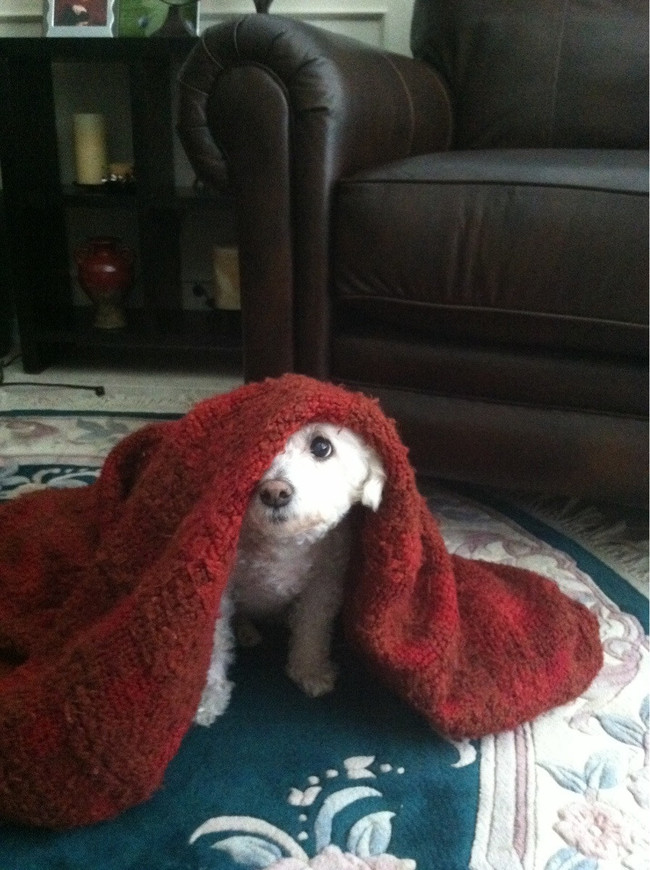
<point>119,176</point>
<point>105,272</point>
<point>90,148</point>
<point>158,17</point>
<point>225,268</point>
<point>79,17</point>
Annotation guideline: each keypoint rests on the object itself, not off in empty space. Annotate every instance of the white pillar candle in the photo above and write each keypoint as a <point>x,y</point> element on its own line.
<point>225,265</point>
<point>90,148</point>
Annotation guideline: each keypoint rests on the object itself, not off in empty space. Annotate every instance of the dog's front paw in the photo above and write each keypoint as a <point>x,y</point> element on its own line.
<point>246,633</point>
<point>314,680</point>
<point>205,717</point>
<point>214,703</point>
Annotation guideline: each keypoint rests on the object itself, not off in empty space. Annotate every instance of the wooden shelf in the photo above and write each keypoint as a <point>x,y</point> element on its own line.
<point>172,330</point>
<point>98,197</point>
<point>182,198</point>
<point>109,49</point>
<point>196,338</point>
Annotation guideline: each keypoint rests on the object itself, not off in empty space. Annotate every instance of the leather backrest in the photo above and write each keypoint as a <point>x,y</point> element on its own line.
<point>540,73</point>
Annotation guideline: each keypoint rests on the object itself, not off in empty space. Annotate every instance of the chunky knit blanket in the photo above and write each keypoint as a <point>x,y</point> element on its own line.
<point>109,593</point>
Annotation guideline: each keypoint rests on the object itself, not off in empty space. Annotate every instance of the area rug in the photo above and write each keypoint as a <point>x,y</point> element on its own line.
<point>356,780</point>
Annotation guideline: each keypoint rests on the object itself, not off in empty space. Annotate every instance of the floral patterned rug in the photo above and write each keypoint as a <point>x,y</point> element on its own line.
<point>355,780</point>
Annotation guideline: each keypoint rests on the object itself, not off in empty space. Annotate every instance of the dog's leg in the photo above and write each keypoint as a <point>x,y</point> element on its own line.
<point>246,632</point>
<point>310,665</point>
<point>313,616</point>
<point>217,690</point>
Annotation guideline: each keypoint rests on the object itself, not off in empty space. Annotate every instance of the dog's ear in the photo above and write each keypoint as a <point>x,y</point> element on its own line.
<point>373,485</point>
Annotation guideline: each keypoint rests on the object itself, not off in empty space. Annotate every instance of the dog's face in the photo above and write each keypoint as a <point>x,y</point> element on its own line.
<point>322,471</point>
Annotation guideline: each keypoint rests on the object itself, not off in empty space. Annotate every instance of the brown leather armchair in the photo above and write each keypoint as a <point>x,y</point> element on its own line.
<point>463,234</point>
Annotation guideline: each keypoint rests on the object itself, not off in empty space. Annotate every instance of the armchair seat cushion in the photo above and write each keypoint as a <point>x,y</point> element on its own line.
<point>542,249</point>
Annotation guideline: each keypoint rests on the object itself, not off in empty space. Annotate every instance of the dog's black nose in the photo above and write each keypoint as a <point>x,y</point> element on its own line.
<point>275,493</point>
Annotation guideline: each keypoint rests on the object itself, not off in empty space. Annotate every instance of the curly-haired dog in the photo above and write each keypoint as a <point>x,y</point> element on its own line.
<point>292,557</point>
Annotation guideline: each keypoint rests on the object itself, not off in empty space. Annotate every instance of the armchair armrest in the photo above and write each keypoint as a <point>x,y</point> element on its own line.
<point>280,110</point>
<point>381,106</point>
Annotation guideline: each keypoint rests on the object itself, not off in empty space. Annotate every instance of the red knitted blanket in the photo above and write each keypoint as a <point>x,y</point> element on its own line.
<point>108,597</point>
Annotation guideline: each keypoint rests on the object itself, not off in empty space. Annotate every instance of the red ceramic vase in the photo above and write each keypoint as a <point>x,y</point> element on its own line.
<point>105,272</point>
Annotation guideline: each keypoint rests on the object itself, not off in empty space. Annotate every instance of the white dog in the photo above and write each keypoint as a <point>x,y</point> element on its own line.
<point>292,557</point>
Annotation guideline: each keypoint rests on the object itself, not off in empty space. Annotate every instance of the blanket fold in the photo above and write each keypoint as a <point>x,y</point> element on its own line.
<point>108,597</point>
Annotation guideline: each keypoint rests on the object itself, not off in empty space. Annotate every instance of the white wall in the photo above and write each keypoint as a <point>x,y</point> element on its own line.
<point>378,22</point>
<point>21,17</point>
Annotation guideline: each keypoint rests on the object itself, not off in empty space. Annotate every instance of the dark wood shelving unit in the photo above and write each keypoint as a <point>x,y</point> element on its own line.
<point>148,330</point>
<point>36,204</point>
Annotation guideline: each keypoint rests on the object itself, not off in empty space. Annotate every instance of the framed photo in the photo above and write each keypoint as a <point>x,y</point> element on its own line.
<point>79,17</point>
<point>145,17</point>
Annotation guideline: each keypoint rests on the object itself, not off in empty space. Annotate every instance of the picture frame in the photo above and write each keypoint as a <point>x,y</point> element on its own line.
<point>79,17</point>
<point>144,17</point>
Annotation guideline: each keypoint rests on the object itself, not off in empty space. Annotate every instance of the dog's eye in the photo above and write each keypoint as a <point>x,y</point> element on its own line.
<point>320,447</point>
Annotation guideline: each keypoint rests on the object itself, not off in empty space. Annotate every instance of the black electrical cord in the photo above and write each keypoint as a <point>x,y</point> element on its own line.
<point>98,390</point>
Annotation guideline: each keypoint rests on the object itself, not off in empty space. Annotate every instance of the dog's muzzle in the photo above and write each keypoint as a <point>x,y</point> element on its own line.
<point>276,493</point>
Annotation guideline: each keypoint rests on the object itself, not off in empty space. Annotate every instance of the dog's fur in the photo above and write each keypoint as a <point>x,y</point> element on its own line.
<point>292,557</point>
